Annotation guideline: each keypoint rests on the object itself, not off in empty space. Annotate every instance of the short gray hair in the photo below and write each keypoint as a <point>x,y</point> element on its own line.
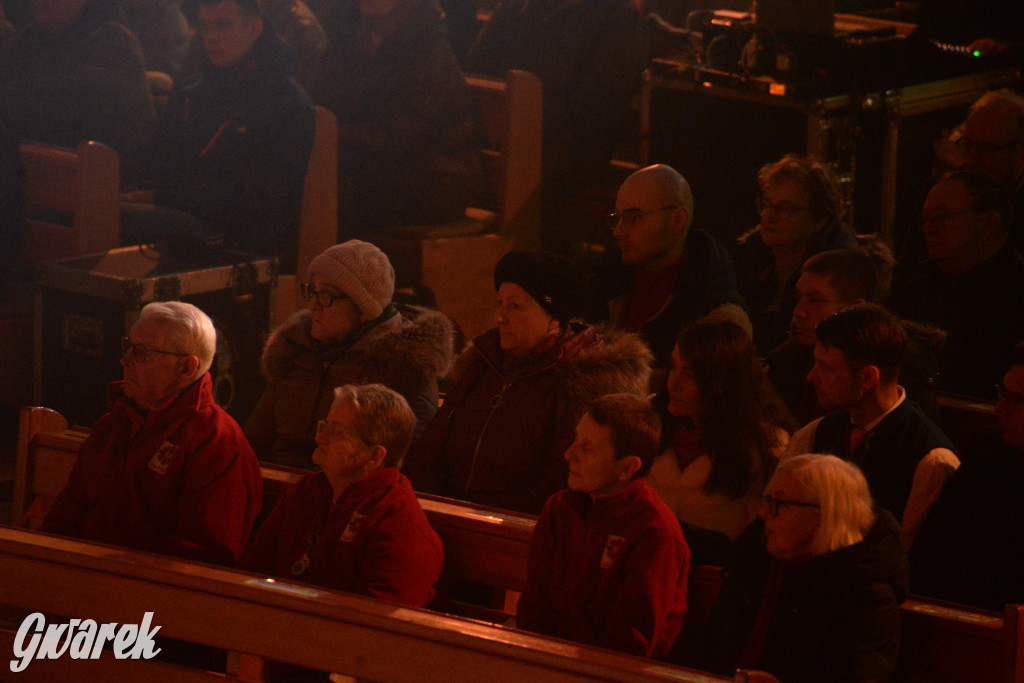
<point>842,491</point>
<point>383,418</point>
<point>189,330</point>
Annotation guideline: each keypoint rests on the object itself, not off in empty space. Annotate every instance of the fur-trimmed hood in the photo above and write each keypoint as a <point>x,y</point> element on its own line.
<point>610,362</point>
<point>411,348</point>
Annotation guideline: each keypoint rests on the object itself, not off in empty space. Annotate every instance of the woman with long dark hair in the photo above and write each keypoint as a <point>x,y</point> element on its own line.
<point>724,429</point>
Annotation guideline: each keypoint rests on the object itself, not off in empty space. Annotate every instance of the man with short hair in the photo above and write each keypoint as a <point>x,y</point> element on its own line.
<point>971,549</point>
<point>972,284</point>
<point>166,470</point>
<point>829,281</point>
<point>356,525</point>
<point>671,274</point>
<point>608,562</point>
<point>904,456</point>
<point>230,151</point>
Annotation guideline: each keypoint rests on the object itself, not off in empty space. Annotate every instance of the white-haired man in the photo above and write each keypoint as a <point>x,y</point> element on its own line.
<point>166,470</point>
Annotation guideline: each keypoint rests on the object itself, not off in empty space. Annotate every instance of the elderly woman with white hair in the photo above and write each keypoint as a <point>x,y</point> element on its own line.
<point>813,591</point>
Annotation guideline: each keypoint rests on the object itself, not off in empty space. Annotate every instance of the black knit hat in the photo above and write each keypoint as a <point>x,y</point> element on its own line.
<point>552,280</point>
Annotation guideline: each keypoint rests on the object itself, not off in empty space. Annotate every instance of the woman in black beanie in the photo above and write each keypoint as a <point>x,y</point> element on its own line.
<point>520,388</point>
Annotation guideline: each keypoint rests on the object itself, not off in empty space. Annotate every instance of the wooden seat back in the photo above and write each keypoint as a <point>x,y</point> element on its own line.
<point>260,620</point>
<point>80,184</point>
<point>318,220</point>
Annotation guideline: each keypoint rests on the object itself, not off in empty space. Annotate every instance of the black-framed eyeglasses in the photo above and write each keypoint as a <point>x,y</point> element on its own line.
<point>783,209</point>
<point>630,217</point>
<point>773,504</point>
<point>335,432</point>
<point>986,148</point>
<point>1012,397</point>
<point>323,299</point>
<point>139,353</point>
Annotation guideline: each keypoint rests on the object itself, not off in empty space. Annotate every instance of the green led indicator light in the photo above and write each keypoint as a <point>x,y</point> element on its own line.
<point>976,53</point>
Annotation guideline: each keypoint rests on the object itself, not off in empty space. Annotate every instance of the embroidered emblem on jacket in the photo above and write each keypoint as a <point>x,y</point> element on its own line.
<point>163,457</point>
<point>613,549</point>
<point>354,526</point>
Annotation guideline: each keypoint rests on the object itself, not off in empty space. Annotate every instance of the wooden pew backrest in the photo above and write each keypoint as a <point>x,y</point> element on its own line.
<point>318,221</point>
<point>271,620</point>
<point>84,185</point>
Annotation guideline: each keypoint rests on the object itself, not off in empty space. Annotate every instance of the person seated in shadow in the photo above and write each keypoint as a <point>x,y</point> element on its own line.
<point>608,562</point>
<point>971,548</point>
<point>813,590</point>
<point>801,215</point>
<point>666,273</point>
<point>355,525</point>
<point>723,429</point>
<point>230,152</point>
<point>352,332</point>
<point>76,73</point>
<point>163,33</point>
<point>972,284</point>
<point>407,138</point>
<point>519,389</point>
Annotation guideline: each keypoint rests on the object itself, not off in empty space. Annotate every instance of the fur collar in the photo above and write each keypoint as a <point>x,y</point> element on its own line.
<point>416,345</point>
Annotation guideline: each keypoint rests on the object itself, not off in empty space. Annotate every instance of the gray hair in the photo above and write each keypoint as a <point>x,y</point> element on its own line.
<point>841,490</point>
<point>383,418</point>
<point>189,330</point>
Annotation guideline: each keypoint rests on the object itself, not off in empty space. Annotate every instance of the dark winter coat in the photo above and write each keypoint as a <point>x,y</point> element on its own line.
<point>706,281</point>
<point>83,81</point>
<point>233,145</point>
<point>407,354</point>
<point>407,145</point>
<point>500,437</point>
<point>836,617</point>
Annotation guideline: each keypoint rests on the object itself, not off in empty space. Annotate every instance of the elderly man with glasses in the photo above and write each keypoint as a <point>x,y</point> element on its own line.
<point>356,525</point>
<point>972,284</point>
<point>166,470</point>
<point>670,274</point>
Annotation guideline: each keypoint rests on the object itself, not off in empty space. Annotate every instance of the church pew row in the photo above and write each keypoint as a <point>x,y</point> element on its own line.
<point>940,642</point>
<point>277,621</point>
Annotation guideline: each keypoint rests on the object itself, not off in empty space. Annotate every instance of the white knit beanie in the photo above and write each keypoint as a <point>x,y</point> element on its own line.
<point>361,271</point>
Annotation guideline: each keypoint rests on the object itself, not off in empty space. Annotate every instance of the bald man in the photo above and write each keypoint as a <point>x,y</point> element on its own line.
<point>670,274</point>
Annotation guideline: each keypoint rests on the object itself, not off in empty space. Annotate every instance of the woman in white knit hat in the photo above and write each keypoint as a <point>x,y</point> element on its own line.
<point>352,333</point>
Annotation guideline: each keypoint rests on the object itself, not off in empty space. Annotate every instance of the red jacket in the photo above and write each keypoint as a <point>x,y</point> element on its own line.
<point>178,480</point>
<point>375,540</point>
<point>611,572</point>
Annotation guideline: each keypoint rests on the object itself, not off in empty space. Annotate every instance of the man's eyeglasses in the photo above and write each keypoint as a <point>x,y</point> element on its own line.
<point>139,353</point>
<point>941,218</point>
<point>986,148</point>
<point>1011,397</point>
<point>773,504</point>
<point>631,217</point>
<point>335,432</point>
<point>781,209</point>
<point>323,299</point>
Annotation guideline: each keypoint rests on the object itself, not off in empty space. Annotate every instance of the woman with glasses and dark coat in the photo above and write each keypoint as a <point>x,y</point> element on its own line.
<point>352,333</point>
<point>813,590</point>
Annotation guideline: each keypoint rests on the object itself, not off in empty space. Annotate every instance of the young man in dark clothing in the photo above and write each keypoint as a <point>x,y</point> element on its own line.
<point>230,152</point>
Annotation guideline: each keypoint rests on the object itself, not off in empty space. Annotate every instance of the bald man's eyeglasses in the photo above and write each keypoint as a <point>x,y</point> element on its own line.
<point>630,217</point>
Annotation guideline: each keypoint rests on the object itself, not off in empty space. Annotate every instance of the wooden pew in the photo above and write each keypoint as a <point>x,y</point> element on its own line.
<point>490,547</point>
<point>82,184</point>
<point>960,417</point>
<point>316,628</point>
